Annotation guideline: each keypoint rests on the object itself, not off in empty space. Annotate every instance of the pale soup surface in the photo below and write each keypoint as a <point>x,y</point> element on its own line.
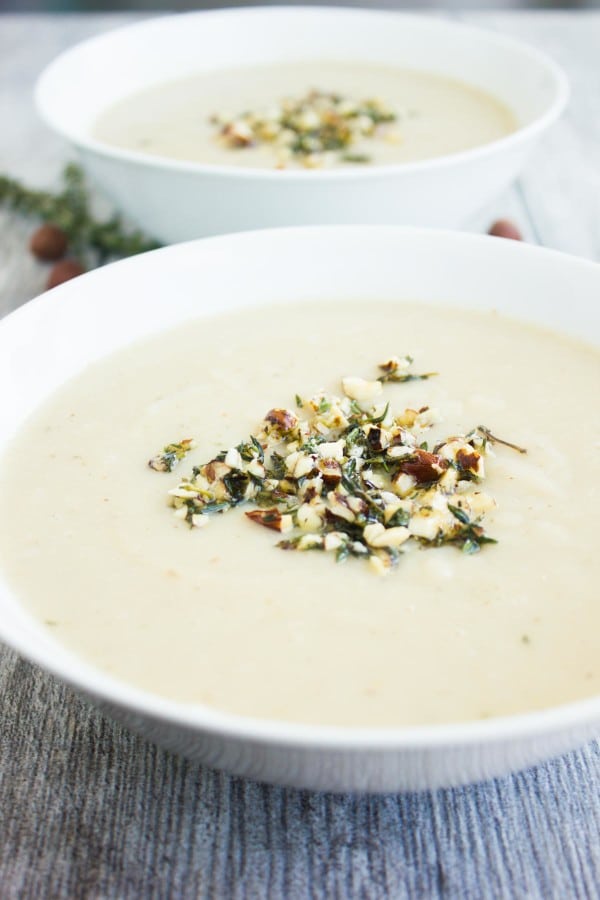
<point>435,115</point>
<point>220,616</point>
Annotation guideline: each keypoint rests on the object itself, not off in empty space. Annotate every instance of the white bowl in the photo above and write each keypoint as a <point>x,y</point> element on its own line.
<point>97,313</point>
<point>175,200</point>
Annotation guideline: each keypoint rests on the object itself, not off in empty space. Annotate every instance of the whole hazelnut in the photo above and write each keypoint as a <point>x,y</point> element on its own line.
<point>63,271</point>
<point>506,229</point>
<point>48,242</point>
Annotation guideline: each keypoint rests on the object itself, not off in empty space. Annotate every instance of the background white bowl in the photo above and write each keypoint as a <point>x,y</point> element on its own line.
<point>61,332</point>
<point>175,200</point>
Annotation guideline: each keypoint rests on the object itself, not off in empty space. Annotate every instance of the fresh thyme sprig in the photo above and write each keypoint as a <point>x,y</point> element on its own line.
<point>69,209</point>
<point>496,440</point>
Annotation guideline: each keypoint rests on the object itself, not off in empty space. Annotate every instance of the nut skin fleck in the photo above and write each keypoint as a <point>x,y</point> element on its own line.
<point>374,440</point>
<point>270,518</point>
<point>215,470</point>
<point>427,468</point>
<point>331,472</point>
<point>236,137</point>
<point>283,418</point>
<point>467,462</point>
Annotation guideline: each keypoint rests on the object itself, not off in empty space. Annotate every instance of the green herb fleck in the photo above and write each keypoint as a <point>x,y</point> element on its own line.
<point>403,377</point>
<point>459,514</point>
<point>359,158</point>
<point>377,420</point>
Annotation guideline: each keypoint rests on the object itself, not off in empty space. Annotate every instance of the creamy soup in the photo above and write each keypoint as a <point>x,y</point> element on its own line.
<point>425,116</point>
<point>220,615</point>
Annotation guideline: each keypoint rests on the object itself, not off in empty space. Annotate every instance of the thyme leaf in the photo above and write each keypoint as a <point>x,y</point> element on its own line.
<point>376,420</point>
<point>277,466</point>
<point>403,377</point>
<point>460,514</point>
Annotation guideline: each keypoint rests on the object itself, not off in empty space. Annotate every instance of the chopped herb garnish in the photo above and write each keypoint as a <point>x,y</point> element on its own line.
<point>171,455</point>
<point>309,129</point>
<point>351,478</point>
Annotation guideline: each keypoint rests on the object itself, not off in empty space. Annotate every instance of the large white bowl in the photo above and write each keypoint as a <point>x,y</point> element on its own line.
<point>54,337</point>
<point>175,200</point>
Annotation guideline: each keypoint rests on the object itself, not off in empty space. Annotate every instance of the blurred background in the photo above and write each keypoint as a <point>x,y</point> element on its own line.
<point>169,5</point>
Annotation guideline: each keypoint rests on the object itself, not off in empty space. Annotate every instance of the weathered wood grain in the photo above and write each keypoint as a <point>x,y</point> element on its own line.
<point>88,810</point>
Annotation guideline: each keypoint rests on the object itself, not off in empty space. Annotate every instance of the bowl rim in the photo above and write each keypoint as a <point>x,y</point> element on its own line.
<point>522,134</point>
<point>61,661</point>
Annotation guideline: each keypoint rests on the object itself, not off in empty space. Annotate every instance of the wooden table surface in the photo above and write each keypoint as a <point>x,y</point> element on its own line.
<point>89,810</point>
